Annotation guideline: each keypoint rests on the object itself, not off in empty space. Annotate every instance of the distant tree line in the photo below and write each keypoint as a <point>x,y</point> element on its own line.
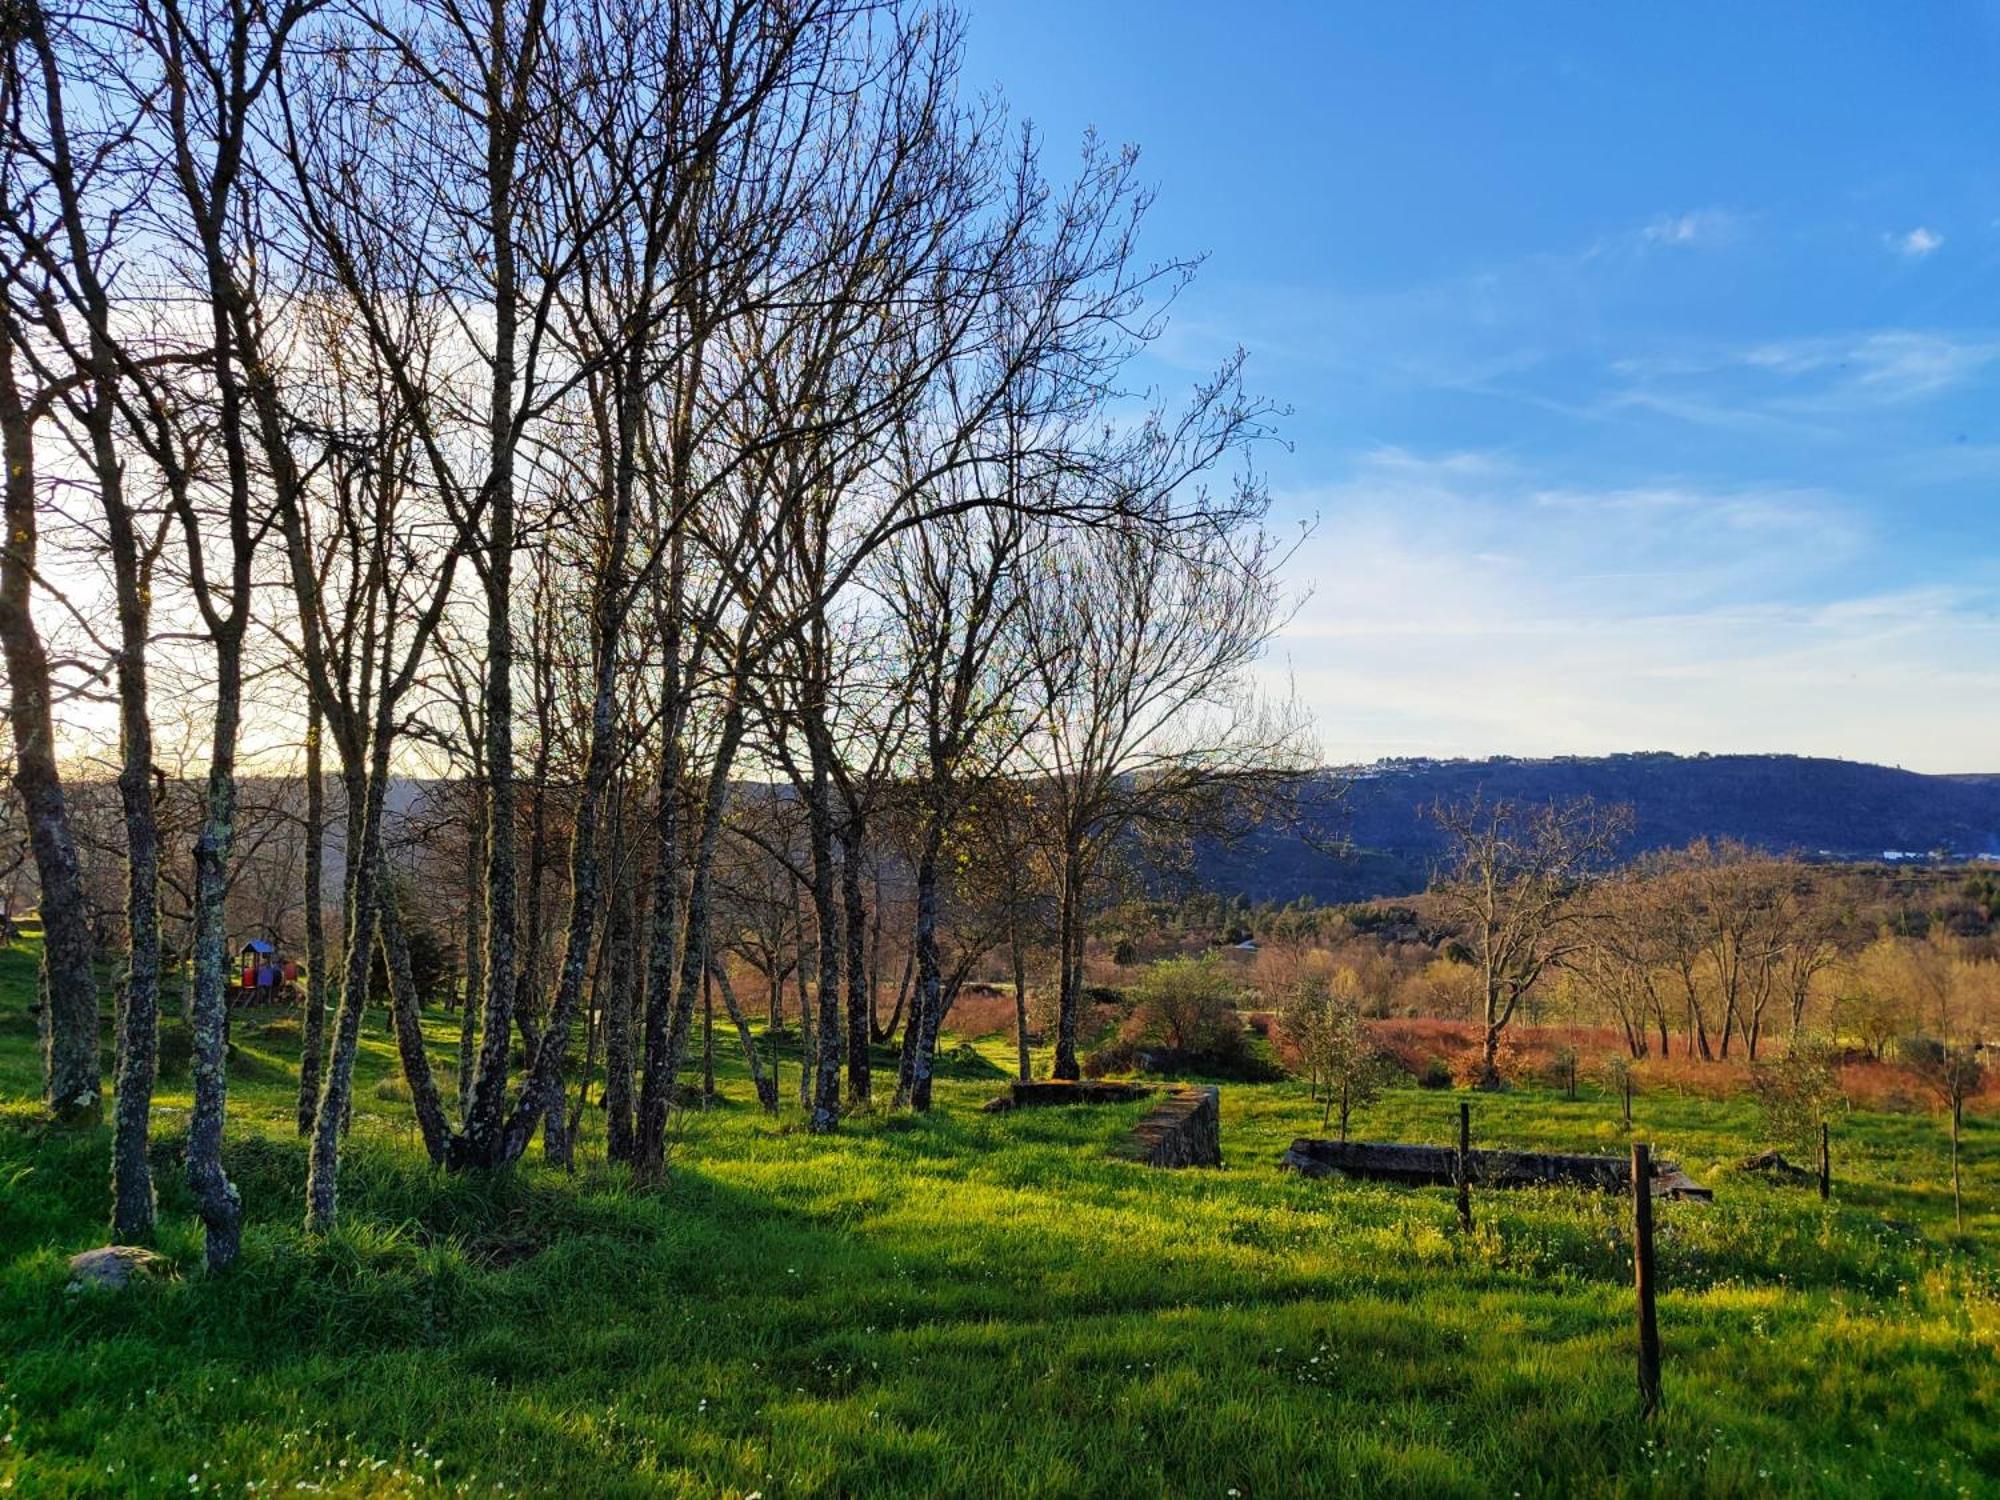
<point>1706,952</point>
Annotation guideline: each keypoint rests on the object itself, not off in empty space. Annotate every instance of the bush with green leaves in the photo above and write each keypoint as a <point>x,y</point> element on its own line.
<point>1184,1018</point>
<point>1322,1021</point>
<point>1798,1091</point>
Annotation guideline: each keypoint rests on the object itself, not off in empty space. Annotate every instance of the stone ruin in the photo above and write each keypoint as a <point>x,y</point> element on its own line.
<point>1183,1130</point>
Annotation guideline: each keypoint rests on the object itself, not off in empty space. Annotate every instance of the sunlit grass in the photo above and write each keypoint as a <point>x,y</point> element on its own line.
<point>987,1304</point>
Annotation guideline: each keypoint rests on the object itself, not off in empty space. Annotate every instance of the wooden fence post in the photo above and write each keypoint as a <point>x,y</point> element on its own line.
<point>1628,1099</point>
<point>1825,1163</point>
<point>1643,1278</point>
<point>1465,1166</point>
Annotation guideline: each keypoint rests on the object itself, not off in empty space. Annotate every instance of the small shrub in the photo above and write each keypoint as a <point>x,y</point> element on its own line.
<point>1119,1055</point>
<point>1324,1025</point>
<point>1435,1074</point>
<point>1183,1019</point>
<point>176,1054</point>
<point>393,1089</point>
<point>1796,1092</point>
<point>1563,1071</point>
<point>1511,1066</point>
<point>1189,1004</point>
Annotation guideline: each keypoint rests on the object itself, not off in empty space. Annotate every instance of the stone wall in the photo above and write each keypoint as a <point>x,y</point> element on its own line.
<point>1185,1130</point>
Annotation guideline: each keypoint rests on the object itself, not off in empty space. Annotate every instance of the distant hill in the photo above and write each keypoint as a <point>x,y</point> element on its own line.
<point>1785,804</point>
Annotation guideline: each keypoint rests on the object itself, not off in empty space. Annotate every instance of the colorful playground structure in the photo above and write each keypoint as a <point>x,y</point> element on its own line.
<point>267,977</point>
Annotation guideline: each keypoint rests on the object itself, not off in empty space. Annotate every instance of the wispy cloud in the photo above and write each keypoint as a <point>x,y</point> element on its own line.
<point>1462,604</point>
<point>1893,364</point>
<point>1816,386</point>
<point>1917,243</point>
<point>1694,545</point>
<point>1701,226</point>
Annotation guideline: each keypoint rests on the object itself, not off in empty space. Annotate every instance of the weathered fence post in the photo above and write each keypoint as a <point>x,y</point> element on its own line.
<point>1643,1278</point>
<point>1465,1166</point>
<point>1628,1099</point>
<point>1825,1163</point>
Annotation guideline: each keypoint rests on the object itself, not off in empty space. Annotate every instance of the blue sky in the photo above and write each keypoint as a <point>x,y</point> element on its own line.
<point>1643,358</point>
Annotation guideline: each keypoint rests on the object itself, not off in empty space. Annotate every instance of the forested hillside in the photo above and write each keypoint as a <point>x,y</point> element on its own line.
<point>1781,803</point>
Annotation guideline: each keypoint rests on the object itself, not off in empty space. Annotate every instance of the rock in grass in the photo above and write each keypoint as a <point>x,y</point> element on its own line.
<point>113,1266</point>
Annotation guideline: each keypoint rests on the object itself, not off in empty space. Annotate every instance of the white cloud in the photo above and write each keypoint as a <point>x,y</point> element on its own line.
<point>1460,607</point>
<point>1814,386</point>
<point>1918,243</point>
<point>1701,226</point>
<point>1888,365</point>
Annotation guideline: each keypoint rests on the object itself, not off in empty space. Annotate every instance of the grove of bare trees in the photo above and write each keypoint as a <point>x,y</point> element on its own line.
<point>610,489</point>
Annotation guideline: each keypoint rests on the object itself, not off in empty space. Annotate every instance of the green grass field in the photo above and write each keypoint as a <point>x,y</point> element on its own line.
<point>971,1304</point>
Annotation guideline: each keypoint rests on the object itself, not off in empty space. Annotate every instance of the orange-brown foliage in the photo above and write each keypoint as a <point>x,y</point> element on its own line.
<point>981,1010</point>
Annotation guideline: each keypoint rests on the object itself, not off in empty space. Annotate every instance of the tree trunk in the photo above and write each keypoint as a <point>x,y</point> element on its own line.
<point>875,960</point>
<point>312,1026</point>
<point>485,1109</point>
<point>215,1196</point>
<point>336,1094</point>
<point>807,1031</point>
<point>695,945</point>
<point>1489,1052</point>
<point>1068,996</point>
<point>932,1022</point>
<point>528,978</point>
<point>71,1075</point>
<point>542,1093</point>
<point>1957,1198</point>
<point>475,952</point>
<point>855,916</point>
<point>1020,999</point>
<point>623,938</point>
<point>707,1037</point>
<point>777,999</point>
<point>819,835</point>
<point>902,998</point>
<point>767,1087</point>
<point>405,1007</point>
<point>919,1036</point>
<point>132,1196</point>
<point>485,1112</point>
<point>656,1082</point>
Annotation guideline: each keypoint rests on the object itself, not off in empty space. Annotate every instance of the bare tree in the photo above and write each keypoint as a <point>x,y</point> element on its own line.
<point>40,247</point>
<point>957,590</point>
<point>1512,890</point>
<point>1141,644</point>
<point>215,66</point>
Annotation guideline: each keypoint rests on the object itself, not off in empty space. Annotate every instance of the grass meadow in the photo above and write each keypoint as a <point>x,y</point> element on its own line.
<point>973,1304</point>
